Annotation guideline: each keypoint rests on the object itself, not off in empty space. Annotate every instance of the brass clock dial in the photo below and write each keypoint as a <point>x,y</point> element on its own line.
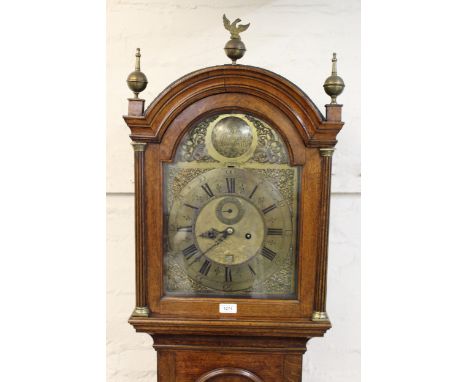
<point>231,205</point>
<point>230,229</point>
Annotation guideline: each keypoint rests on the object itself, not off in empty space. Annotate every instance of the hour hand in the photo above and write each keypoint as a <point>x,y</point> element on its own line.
<point>210,234</point>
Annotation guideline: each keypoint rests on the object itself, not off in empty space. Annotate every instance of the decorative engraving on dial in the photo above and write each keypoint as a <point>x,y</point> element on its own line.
<point>282,179</point>
<point>212,141</point>
<point>193,148</point>
<point>179,280</point>
<point>224,219</point>
<point>231,138</point>
<point>270,148</point>
<point>178,179</point>
<point>228,130</point>
<point>238,226</point>
<point>221,237</point>
<point>282,280</point>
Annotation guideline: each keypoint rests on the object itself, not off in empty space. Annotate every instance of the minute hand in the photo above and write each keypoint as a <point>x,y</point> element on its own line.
<point>209,249</point>
<point>214,245</point>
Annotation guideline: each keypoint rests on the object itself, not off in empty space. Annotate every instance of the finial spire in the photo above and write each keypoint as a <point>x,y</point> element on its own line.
<point>137,60</point>
<point>334,84</point>
<point>137,80</point>
<point>334,60</point>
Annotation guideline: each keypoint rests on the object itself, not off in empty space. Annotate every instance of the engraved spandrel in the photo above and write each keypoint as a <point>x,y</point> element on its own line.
<point>210,141</point>
<point>282,179</point>
<point>270,147</point>
<point>193,146</point>
<point>178,178</point>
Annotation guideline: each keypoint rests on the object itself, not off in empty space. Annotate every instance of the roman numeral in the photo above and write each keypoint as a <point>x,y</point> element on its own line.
<point>268,253</point>
<point>207,189</point>
<point>186,228</point>
<point>227,275</point>
<point>190,251</point>
<point>275,231</point>
<point>268,209</point>
<point>253,192</point>
<point>205,268</point>
<point>190,206</point>
<point>231,185</point>
<point>252,270</point>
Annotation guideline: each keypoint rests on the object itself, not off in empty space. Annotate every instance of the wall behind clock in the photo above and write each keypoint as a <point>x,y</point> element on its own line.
<point>293,38</point>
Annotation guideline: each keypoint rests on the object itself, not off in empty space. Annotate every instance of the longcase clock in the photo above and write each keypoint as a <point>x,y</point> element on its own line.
<point>232,194</point>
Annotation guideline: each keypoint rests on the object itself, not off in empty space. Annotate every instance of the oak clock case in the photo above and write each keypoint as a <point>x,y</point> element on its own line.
<point>231,209</point>
<point>232,204</point>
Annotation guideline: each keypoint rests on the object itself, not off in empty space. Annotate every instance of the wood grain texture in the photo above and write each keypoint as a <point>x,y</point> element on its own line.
<point>333,112</point>
<point>166,367</point>
<point>322,242</point>
<point>136,107</point>
<point>229,374</point>
<point>265,339</point>
<point>292,368</point>
<point>239,343</point>
<point>233,102</point>
<point>262,84</point>
<point>228,358</point>
<point>208,307</point>
<point>140,226</point>
<point>259,327</point>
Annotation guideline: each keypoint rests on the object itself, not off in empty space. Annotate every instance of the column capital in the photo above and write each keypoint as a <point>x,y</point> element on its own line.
<point>139,146</point>
<point>327,151</point>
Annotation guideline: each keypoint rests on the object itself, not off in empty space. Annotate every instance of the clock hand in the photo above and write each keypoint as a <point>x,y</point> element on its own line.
<point>217,242</point>
<point>210,234</point>
<point>213,233</point>
<point>228,231</point>
<point>209,249</point>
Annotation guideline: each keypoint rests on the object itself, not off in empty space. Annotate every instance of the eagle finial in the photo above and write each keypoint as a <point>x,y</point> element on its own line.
<point>234,48</point>
<point>233,28</point>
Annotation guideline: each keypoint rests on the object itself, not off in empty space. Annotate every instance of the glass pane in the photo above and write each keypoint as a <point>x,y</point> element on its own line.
<point>231,202</point>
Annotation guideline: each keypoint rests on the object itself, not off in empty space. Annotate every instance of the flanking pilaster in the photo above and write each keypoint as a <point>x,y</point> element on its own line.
<point>141,309</point>
<point>320,298</point>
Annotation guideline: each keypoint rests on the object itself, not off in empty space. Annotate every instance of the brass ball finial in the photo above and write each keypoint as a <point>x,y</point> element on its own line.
<point>137,80</point>
<point>234,48</point>
<point>334,84</point>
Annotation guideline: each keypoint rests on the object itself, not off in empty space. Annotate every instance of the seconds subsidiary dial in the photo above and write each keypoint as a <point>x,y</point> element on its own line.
<point>230,229</point>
